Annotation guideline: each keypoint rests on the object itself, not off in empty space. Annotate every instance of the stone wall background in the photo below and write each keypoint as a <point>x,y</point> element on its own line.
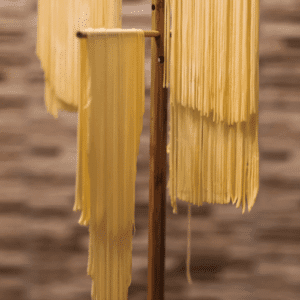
<point>43,249</point>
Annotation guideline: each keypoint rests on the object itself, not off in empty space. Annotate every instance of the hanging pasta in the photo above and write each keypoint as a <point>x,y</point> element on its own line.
<point>58,48</point>
<point>112,110</point>
<point>214,87</point>
<point>214,57</point>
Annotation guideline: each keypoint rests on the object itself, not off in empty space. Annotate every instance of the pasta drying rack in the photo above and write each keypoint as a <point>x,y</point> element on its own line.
<point>158,156</point>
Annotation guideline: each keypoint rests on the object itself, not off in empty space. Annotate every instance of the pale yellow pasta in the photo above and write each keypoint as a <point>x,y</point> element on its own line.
<point>82,75</point>
<point>58,48</point>
<point>214,89</point>
<point>112,110</point>
<point>212,57</point>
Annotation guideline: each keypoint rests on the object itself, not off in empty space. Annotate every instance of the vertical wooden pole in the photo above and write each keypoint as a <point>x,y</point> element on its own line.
<point>158,160</point>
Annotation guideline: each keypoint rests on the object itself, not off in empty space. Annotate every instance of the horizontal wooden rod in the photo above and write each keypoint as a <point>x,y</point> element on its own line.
<point>148,33</point>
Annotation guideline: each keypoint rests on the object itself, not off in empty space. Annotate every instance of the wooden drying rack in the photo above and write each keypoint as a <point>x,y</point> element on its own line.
<point>158,156</point>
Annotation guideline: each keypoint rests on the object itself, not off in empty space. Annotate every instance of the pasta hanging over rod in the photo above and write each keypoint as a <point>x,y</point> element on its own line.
<point>58,48</point>
<point>113,106</point>
<point>71,72</point>
<point>213,56</point>
<point>213,62</point>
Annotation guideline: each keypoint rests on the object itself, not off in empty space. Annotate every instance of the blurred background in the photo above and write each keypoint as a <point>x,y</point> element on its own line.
<point>43,249</point>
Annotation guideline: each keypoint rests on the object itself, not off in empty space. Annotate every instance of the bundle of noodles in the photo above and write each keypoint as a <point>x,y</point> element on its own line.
<point>113,111</point>
<point>214,88</point>
<point>79,76</point>
<point>58,48</point>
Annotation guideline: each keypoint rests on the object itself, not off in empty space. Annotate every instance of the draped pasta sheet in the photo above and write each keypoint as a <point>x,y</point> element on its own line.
<point>214,90</point>
<point>58,48</point>
<point>112,110</point>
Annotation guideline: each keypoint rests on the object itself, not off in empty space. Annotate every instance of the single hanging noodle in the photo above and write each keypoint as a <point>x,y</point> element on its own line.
<point>226,164</point>
<point>217,60</point>
<point>184,54</point>
<point>211,58</point>
<point>195,53</point>
<point>222,59</point>
<point>245,157</point>
<point>187,57</point>
<point>214,59</point>
<point>201,57</point>
<point>207,59</point>
<point>245,61</point>
<point>191,80</point>
<point>180,53</point>
<point>218,164</point>
<point>109,51</point>
<point>238,47</point>
<point>225,65</point>
<point>213,135</point>
<point>240,165</point>
<point>167,12</point>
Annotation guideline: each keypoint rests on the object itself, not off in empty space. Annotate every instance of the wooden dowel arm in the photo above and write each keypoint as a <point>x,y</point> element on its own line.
<point>148,33</point>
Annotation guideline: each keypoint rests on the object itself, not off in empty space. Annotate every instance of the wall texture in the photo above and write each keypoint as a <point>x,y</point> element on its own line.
<point>44,251</point>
